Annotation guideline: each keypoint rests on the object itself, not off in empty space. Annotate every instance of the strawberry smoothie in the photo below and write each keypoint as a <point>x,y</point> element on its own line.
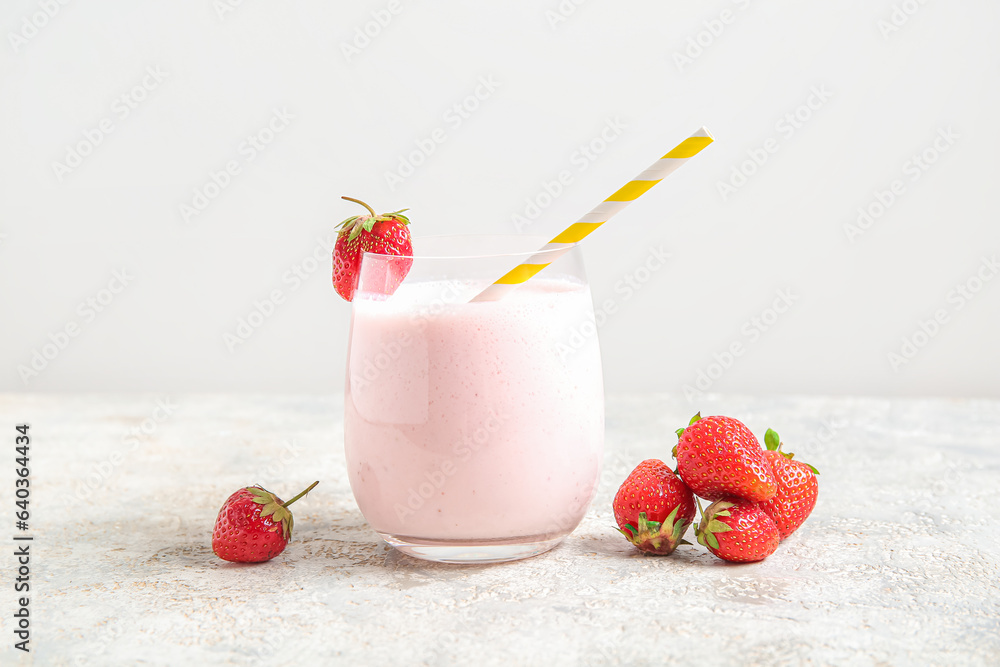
<point>471,424</point>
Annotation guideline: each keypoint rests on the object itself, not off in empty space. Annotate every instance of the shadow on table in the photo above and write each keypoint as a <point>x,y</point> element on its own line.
<point>611,544</point>
<point>346,540</point>
<point>339,542</point>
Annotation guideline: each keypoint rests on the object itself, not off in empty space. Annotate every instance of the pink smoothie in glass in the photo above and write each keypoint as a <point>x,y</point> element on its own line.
<point>473,421</point>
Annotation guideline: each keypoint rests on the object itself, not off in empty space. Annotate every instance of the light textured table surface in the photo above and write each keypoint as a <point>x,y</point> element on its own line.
<point>899,563</point>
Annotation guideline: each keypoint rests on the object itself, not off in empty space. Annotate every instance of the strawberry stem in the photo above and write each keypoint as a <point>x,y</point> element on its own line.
<point>311,486</point>
<point>358,201</point>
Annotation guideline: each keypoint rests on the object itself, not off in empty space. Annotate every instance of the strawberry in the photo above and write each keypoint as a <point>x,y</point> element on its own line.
<point>737,530</point>
<point>797,487</point>
<point>253,525</point>
<point>653,507</point>
<point>387,234</point>
<point>719,456</point>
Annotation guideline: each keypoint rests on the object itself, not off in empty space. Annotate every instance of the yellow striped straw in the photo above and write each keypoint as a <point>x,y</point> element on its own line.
<point>603,212</point>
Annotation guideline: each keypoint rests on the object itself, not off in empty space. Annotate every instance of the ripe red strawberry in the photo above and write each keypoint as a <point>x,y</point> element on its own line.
<point>253,525</point>
<point>797,487</point>
<point>386,234</point>
<point>653,507</point>
<point>737,530</point>
<point>719,456</point>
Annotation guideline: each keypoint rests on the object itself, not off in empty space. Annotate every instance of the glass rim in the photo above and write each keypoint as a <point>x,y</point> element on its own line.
<point>540,241</point>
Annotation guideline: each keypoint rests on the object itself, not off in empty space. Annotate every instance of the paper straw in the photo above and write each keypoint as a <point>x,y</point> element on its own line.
<point>573,234</point>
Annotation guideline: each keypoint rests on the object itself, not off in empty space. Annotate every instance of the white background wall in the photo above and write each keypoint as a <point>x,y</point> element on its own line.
<point>889,90</point>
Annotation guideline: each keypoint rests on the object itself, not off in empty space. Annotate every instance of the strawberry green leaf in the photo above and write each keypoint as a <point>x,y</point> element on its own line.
<point>260,495</point>
<point>697,417</point>
<point>712,541</point>
<point>347,222</point>
<point>815,472</point>
<point>651,526</point>
<point>716,526</point>
<point>269,509</point>
<point>672,516</point>
<point>772,440</point>
<point>654,536</point>
<point>679,528</point>
<point>398,215</point>
<point>719,506</point>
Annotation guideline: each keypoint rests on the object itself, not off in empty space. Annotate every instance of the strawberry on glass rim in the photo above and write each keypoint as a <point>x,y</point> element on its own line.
<point>386,234</point>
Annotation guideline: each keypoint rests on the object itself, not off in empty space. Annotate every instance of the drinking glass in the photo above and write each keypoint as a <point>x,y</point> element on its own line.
<point>473,431</point>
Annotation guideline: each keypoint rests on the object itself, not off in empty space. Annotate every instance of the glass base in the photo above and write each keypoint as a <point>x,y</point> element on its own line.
<point>473,551</point>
